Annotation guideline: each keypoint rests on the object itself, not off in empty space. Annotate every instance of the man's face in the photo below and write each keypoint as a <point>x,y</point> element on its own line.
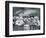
<point>36,18</point>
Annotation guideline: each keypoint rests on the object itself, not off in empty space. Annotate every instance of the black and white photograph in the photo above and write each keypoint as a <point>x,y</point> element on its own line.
<point>24,18</point>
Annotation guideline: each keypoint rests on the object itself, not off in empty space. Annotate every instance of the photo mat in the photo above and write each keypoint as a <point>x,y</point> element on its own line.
<point>25,25</point>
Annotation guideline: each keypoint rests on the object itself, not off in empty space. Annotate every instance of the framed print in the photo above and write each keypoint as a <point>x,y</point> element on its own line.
<point>24,18</point>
